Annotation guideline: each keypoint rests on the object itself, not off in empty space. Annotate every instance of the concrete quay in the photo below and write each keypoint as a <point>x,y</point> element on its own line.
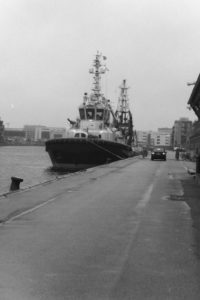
<point>17,203</point>
<point>126,230</point>
<point>14,204</point>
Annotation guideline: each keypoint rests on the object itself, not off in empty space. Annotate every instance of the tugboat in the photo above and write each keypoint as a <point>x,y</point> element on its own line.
<point>99,135</point>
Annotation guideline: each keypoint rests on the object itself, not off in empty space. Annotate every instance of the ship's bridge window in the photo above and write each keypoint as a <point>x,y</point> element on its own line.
<point>80,134</point>
<point>99,114</point>
<point>90,113</point>
<point>82,113</point>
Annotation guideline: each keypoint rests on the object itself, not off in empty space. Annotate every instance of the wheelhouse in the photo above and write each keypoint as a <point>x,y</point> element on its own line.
<point>94,113</point>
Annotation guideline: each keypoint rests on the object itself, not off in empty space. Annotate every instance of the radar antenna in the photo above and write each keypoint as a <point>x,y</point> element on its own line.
<point>97,70</point>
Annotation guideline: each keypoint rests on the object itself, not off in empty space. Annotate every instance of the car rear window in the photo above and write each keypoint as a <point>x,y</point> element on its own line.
<point>159,150</point>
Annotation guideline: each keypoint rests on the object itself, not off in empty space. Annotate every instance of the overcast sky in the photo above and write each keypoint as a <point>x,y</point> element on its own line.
<point>47,48</point>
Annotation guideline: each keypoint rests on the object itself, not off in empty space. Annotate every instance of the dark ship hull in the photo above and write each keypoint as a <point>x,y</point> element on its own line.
<point>79,153</point>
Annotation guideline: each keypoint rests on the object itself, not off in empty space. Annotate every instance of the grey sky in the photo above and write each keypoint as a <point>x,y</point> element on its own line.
<point>47,47</point>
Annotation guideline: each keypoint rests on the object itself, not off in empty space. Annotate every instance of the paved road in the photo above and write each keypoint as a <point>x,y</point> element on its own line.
<point>119,231</point>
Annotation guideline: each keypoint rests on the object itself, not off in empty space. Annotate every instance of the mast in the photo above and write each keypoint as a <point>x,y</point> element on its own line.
<point>123,113</point>
<point>123,110</point>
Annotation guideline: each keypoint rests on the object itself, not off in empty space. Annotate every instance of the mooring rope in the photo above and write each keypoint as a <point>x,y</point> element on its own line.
<point>104,149</point>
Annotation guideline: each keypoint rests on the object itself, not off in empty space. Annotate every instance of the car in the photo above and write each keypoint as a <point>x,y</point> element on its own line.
<point>158,153</point>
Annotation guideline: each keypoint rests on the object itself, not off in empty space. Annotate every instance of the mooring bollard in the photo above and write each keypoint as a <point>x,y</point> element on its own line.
<point>15,183</point>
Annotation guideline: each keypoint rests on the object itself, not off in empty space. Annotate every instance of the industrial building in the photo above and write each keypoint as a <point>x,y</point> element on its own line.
<point>181,133</point>
<point>32,134</point>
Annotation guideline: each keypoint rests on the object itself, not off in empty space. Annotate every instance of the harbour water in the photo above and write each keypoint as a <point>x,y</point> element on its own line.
<point>31,163</point>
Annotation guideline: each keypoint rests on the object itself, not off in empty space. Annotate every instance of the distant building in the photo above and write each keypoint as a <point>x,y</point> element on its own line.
<point>36,133</point>
<point>165,130</point>
<point>181,132</point>
<point>14,135</point>
<point>32,134</point>
<point>143,138</point>
<point>161,138</point>
<point>194,146</point>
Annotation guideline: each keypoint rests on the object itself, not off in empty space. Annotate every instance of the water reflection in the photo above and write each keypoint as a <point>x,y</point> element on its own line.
<point>52,173</point>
